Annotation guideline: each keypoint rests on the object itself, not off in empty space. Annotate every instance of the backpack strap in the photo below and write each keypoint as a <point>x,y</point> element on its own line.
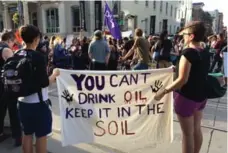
<point>40,95</point>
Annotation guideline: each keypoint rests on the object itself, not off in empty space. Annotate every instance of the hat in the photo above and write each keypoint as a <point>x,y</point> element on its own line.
<point>196,24</point>
<point>98,33</point>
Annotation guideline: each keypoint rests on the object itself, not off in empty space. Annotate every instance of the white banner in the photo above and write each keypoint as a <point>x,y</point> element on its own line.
<point>225,56</point>
<point>115,109</point>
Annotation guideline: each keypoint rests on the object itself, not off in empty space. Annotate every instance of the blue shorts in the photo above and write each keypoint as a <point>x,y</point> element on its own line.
<point>141,66</point>
<point>36,118</point>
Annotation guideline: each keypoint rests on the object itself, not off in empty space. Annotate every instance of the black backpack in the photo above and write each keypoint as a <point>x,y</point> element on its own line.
<point>162,52</point>
<point>18,75</point>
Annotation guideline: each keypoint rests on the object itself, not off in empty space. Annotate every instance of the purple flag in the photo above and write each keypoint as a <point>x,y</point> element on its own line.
<point>111,23</point>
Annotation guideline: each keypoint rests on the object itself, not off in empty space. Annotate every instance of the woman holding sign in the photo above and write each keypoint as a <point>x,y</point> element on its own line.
<point>190,86</point>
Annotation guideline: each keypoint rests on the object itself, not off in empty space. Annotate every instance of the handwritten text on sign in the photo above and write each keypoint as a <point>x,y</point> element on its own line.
<point>113,104</point>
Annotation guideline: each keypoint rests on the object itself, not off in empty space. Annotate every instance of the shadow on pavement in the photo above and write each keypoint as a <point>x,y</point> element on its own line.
<point>55,146</point>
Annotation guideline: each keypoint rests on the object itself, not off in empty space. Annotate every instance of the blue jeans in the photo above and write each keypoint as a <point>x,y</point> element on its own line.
<point>141,66</point>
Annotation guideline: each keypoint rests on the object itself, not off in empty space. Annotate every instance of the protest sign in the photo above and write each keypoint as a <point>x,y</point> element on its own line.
<point>69,40</point>
<point>116,109</point>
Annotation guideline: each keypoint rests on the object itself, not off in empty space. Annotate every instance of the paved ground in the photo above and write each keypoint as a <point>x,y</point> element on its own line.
<point>214,131</point>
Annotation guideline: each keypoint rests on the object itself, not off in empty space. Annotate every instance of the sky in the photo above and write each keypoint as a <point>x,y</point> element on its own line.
<point>221,5</point>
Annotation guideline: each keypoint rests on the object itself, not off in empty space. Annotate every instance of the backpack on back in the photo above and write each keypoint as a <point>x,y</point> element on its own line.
<point>18,75</point>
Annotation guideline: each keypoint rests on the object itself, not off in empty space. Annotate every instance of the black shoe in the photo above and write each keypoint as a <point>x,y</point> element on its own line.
<point>3,137</point>
<point>17,142</point>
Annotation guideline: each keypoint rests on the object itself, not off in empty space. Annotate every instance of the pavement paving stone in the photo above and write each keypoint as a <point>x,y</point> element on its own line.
<point>218,142</point>
<point>55,113</point>
<point>174,147</point>
<point>221,117</point>
<point>209,114</point>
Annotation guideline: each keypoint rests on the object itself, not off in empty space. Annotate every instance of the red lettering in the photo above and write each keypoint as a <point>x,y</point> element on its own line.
<point>103,133</point>
<point>113,128</point>
<point>126,130</point>
<point>109,128</point>
<point>122,128</point>
<point>127,98</point>
<point>143,99</point>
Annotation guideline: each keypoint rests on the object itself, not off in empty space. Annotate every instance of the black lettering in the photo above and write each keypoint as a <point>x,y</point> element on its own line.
<point>90,113</point>
<point>149,109</point>
<point>140,108</point>
<point>80,100</point>
<point>159,111</point>
<point>91,98</point>
<point>134,77</point>
<point>68,113</point>
<point>124,80</point>
<point>78,80</point>
<point>111,80</point>
<point>103,98</point>
<point>83,113</point>
<point>111,98</point>
<point>125,111</point>
<point>145,76</point>
<point>76,112</point>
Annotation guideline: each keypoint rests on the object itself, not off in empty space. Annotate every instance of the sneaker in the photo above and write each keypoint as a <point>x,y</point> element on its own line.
<point>3,137</point>
<point>18,142</point>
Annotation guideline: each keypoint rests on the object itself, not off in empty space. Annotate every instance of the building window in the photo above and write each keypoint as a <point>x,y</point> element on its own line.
<point>146,3</point>
<point>175,13</point>
<point>174,29</point>
<point>135,22</point>
<point>52,20</point>
<point>154,4</point>
<point>171,11</point>
<point>75,10</point>
<point>182,14</point>
<point>146,25</point>
<point>1,23</point>
<point>179,13</point>
<point>170,29</point>
<point>160,26</point>
<point>161,5</point>
<point>98,15</point>
<point>33,19</point>
<point>166,8</point>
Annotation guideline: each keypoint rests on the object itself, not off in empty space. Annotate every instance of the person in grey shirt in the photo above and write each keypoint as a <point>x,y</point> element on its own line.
<point>99,52</point>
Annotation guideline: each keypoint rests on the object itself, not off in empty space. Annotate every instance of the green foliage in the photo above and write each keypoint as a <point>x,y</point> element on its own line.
<point>16,18</point>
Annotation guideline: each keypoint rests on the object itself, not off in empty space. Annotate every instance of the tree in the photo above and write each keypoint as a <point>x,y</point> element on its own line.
<point>16,18</point>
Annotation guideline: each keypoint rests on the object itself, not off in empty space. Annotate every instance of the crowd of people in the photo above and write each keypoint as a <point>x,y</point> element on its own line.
<point>193,54</point>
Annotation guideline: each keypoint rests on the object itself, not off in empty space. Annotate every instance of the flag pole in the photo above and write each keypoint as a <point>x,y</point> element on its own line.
<point>104,22</point>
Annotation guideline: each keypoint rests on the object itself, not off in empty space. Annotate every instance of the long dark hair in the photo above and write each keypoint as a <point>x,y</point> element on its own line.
<point>162,38</point>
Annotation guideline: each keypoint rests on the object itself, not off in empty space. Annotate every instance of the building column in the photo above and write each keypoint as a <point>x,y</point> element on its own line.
<point>6,17</point>
<point>25,12</point>
<point>91,13</point>
<point>62,18</point>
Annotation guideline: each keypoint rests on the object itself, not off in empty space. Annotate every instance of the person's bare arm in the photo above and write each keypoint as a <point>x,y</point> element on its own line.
<point>90,51</point>
<point>7,53</point>
<point>184,70</point>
